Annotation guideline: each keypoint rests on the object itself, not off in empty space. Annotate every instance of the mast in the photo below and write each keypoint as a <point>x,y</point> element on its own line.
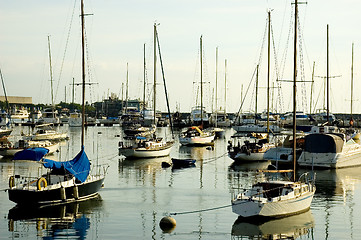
<point>201,52</point>
<point>294,90</point>
<point>144,85</point>
<point>51,78</point>
<point>327,86</point>
<point>256,102</point>
<point>351,82</point>
<point>216,84</point>
<point>6,98</point>
<point>313,74</point>
<point>225,88</point>
<point>72,94</point>
<point>83,72</point>
<point>126,91</point>
<point>268,70</point>
<point>155,68</point>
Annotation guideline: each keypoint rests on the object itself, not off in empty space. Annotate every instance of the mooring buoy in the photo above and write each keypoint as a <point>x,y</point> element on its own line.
<point>167,224</point>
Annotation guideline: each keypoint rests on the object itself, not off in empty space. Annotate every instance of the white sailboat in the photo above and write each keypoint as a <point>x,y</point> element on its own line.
<point>277,198</point>
<point>194,135</point>
<point>254,151</point>
<point>143,147</point>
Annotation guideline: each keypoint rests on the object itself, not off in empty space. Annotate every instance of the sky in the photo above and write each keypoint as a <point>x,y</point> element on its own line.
<point>117,31</point>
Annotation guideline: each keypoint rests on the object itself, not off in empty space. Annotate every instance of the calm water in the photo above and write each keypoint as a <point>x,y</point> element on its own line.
<point>138,193</point>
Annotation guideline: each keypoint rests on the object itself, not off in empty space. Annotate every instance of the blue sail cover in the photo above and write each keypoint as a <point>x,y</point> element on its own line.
<point>79,166</point>
<point>33,154</point>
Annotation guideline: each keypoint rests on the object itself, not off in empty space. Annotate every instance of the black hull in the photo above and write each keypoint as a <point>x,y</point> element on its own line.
<point>49,197</point>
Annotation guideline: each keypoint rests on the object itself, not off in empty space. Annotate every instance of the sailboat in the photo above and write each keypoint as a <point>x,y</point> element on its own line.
<point>194,135</point>
<point>330,149</point>
<point>254,151</point>
<point>68,181</point>
<point>277,198</point>
<point>142,146</point>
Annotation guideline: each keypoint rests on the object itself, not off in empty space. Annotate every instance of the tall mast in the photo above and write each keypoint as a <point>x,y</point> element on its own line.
<point>268,69</point>
<point>83,71</point>
<point>126,91</point>
<point>51,77</point>
<point>327,85</point>
<point>216,84</point>
<point>225,88</point>
<point>144,85</point>
<point>201,52</point>
<point>294,90</point>
<point>256,102</point>
<point>155,68</point>
<point>351,81</point>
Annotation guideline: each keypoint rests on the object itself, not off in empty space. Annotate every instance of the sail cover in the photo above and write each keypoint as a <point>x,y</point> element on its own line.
<point>33,154</point>
<point>78,166</point>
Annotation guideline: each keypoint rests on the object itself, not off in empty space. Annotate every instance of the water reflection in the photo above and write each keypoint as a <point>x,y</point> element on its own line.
<point>284,228</point>
<point>71,220</point>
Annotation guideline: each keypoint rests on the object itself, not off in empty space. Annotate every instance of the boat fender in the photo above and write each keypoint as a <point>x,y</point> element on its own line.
<point>42,183</point>
<point>11,182</point>
<point>248,152</point>
<point>76,192</point>
<point>120,144</point>
<point>244,149</point>
<point>62,193</point>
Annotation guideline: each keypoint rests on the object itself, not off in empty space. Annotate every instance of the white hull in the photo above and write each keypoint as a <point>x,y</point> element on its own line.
<point>144,153</point>
<point>283,205</point>
<point>57,136</point>
<point>197,140</point>
<point>331,160</point>
<point>11,151</point>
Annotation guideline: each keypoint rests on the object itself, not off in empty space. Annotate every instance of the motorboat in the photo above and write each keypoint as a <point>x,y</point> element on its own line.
<point>194,136</point>
<point>142,147</point>
<point>46,132</point>
<point>325,147</point>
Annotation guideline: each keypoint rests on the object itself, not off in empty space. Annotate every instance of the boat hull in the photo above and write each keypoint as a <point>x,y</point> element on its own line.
<point>13,151</point>
<point>145,153</point>
<point>330,160</point>
<point>254,208</point>
<point>197,141</point>
<point>86,190</point>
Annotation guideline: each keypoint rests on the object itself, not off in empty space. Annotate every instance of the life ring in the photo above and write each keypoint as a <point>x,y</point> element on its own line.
<point>42,183</point>
<point>11,182</point>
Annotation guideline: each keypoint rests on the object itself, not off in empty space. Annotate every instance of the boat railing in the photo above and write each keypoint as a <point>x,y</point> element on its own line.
<point>268,193</point>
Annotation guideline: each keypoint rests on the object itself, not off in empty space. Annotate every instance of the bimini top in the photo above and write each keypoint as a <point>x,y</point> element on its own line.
<point>78,166</point>
<point>324,143</point>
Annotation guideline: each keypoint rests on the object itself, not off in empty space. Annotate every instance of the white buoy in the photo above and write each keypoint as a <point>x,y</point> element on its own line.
<point>167,224</point>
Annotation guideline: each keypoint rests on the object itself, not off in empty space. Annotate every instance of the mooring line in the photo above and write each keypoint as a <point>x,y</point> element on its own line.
<point>214,158</point>
<point>203,210</point>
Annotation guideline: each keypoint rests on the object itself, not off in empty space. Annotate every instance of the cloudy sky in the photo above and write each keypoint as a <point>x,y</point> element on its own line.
<point>117,31</point>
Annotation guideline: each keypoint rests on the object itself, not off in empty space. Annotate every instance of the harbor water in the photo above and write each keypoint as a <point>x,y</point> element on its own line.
<point>137,194</point>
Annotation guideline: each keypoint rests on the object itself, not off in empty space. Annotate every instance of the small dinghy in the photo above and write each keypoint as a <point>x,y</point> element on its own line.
<point>181,163</point>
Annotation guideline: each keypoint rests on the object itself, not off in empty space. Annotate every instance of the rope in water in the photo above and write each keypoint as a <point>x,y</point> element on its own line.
<point>208,160</point>
<point>203,210</point>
